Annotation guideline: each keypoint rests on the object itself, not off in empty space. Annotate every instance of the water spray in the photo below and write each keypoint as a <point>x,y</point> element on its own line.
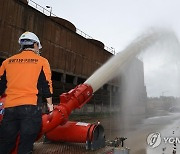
<point>111,68</point>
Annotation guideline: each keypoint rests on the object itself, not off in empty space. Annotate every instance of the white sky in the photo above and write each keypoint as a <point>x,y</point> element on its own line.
<point>117,22</point>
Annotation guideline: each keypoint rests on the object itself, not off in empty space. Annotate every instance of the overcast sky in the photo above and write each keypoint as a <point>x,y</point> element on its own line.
<point>117,22</point>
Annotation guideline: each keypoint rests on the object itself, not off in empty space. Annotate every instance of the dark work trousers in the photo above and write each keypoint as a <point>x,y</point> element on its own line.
<point>24,121</point>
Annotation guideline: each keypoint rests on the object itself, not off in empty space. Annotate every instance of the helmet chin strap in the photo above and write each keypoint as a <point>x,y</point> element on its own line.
<point>34,50</point>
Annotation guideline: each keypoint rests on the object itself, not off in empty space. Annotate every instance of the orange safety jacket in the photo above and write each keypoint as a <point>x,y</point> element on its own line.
<point>23,76</point>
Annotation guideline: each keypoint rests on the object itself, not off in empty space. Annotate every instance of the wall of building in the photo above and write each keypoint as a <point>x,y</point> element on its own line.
<point>72,57</point>
<point>66,51</point>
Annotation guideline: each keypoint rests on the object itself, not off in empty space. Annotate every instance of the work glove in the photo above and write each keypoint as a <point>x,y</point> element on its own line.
<point>50,107</point>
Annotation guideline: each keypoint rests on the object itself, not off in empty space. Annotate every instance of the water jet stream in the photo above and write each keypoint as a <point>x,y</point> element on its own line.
<point>111,68</point>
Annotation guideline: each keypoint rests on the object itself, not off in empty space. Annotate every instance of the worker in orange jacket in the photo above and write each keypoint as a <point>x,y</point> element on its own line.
<point>24,77</point>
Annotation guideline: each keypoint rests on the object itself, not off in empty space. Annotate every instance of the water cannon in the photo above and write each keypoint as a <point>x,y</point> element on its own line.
<point>56,126</point>
<point>69,101</point>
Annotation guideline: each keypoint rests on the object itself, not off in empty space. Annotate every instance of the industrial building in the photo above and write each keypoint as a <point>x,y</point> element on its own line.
<point>73,57</point>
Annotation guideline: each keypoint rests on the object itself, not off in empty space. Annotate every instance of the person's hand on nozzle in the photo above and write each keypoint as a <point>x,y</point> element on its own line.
<point>50,104</point>
<point>50,107</point>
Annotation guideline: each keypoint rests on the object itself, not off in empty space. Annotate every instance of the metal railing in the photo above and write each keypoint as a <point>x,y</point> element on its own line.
<point>40,8</point>
<point>78,31</point>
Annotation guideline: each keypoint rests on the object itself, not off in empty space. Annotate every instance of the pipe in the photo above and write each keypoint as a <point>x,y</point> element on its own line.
<point>74,99</point>
<point>72,132</point>
<point>79,132</point>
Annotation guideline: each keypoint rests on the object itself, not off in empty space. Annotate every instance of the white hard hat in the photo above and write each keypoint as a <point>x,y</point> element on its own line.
<point>29,38</point>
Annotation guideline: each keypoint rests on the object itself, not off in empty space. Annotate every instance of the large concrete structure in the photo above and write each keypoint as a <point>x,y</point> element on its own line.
<point>72,57</point>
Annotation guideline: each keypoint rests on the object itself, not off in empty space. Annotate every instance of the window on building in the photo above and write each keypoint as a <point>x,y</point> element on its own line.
<point>81,80</point>
<point>56,76</point>
<point>69,79</point>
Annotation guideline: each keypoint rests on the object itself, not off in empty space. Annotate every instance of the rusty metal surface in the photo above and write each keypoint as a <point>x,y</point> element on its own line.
<point>65,49</point>
<point>66,148</point>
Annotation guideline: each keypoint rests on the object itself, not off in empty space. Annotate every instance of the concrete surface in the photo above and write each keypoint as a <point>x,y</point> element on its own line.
<point>166,125</point>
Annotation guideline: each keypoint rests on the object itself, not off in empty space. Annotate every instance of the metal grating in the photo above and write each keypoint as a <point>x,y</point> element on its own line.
<point>66,148</point>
